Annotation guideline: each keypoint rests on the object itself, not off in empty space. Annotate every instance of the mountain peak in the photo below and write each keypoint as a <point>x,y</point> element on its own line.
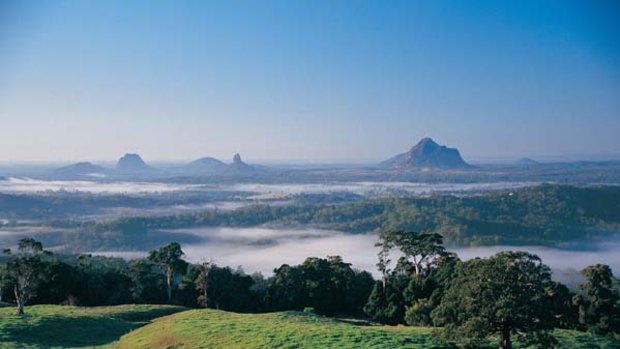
<point>131,162</point>
<point>427,154</point>
<point>239,165</point>
<point>427,141</point>
<point>237,159</point>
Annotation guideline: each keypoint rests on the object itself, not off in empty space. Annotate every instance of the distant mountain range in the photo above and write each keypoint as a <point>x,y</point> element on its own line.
<point>133,164</point>
<point>427,154</point>
<point>209,165</point>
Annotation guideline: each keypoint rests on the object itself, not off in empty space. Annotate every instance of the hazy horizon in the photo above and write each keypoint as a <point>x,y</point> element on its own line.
<point>308,82</point>
<point>497,160</point>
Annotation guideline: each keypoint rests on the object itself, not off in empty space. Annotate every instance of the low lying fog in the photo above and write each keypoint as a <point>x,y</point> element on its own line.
<point>366,188</point>
<point>263,249</point>
<point>28,185</point>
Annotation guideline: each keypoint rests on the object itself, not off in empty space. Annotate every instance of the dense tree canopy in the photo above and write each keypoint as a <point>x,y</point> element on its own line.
<point>599,308</point>
<point>330,286</point>
<point>505,294</point>
<point>539,215</point>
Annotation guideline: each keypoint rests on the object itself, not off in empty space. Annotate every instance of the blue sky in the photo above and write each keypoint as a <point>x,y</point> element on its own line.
<point>319,81</point>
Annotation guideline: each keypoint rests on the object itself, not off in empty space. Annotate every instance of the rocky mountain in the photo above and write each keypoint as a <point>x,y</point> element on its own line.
<point>132,163</point>
<point>427,154</point>
<point>239,166</point>
<point>80,169</point>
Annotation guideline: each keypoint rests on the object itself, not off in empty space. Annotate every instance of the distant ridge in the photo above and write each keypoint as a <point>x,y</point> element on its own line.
<point>427,154</point>
<point>206,164</point>
<point>132,163</point>
<point>527,161</point>
<point>80,169</point>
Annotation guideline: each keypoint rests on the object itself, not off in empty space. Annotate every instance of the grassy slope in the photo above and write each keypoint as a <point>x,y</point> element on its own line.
<point>53,326</point>
<point>217,329</point>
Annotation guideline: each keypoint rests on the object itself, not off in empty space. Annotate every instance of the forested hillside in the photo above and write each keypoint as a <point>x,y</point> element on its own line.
<point>540,215</point>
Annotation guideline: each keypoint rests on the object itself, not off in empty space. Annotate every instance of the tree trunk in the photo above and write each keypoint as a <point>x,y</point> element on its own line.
<point>169,283</point>
<point>19,299</point>
<point>204,292</point>
<point>506,343</point>
<point>417,270</point>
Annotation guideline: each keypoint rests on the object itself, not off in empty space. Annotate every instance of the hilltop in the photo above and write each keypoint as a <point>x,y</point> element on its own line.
<point>132,163</point>
<point>80,169</point>
<point>207,328</point>
<point>427,154</point>
<point>205,164</point>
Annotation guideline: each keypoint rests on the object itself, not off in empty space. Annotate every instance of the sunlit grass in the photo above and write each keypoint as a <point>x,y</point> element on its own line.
<point>53,326</point>
<point>217,329</point>
<point>161,326</point>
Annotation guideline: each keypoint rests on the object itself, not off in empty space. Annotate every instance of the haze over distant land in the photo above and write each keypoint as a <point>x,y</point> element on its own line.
<point>317,81</point>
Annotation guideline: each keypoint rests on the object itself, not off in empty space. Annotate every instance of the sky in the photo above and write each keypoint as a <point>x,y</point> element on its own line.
<point>314,81</point>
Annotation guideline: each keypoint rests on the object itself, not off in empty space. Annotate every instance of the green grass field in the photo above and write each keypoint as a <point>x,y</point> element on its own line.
<point>217,329</point>
<point>160,326</point>
<point>54,326</point>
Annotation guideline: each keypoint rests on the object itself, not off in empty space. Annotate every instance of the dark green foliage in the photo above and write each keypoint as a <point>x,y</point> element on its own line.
<point>542,215</point>
<point>57,282</point>
<point>330,286</point>
<point>386,304</point>
<point>103,281</point>
<point>147,286</point>
<point>506,294</point>
<point>424,294</point>
<point>566,313</point>
<point>169,259</point>
<point>229,290</point>
<point>410,290</point>
<point>599,309</point>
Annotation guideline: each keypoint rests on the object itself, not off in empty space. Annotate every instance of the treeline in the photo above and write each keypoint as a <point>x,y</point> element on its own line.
<point>542,215</point>
<point>58,205</point>
<point>35,276</point>
<point>506,295</point>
